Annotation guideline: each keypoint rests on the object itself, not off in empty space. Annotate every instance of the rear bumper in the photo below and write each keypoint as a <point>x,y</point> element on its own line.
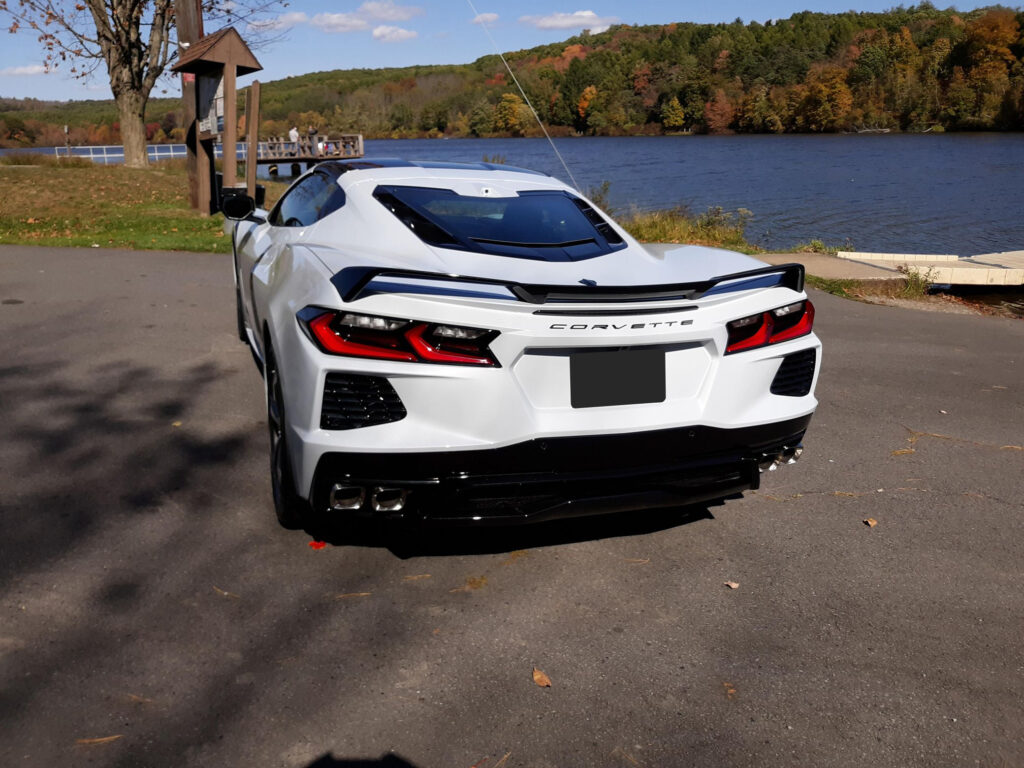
<point>549,478</point>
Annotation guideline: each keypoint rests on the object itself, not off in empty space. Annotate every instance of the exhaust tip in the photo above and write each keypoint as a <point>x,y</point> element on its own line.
<point>347,497</point>
<point>388,499</point>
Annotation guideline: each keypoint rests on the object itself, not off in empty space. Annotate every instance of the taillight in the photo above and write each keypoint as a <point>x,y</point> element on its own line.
<point>782,324</point>
<point>385,338</point>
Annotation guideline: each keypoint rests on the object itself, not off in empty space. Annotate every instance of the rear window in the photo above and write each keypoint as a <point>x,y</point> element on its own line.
<point>548,226</point>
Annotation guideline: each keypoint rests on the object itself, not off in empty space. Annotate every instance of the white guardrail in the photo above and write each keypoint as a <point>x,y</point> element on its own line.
<point>114,154</point>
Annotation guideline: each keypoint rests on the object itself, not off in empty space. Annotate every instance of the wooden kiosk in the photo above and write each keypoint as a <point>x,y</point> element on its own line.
<point>213,63</point>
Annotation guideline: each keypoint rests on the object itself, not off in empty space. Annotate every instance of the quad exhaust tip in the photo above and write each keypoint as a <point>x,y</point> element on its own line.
<point>347,497</point>
<point>788,455</point>
<point>388,499</point>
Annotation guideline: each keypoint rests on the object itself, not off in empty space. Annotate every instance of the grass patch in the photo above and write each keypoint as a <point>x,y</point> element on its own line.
<point>107,206</point>
<point>915,283</point>
<point>46,161</point>
<point>715,227</point>
<point>848,289</point>
<point>816,246</point>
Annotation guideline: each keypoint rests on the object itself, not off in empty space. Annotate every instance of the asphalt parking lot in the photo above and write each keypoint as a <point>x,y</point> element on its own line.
<point>152,612</point>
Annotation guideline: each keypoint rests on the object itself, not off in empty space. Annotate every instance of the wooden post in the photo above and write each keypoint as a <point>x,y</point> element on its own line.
<point>189,20</point>
<point>229,156</point>
<point>252,129</point>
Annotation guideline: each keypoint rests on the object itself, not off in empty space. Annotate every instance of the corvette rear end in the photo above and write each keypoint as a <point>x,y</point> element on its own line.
<point>484,383</point>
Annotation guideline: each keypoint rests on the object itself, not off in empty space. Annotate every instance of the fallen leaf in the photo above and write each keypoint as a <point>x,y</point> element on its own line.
<point>638,560</point>
<point>136,699</point>
<point>175,423</point>
<point>503,760</point>
<point>730,690</point>
<point>479,763</point>
<point>732,584</point>
<point>100,740</point>
<point>871,522</point>
<point>417,577</point>
<point>471,583</point>
<point>225,593</point>
<point>903,452</point>
<point>1012,448</point>
<point>541,679</point>
<point>998,386</point>
<point>844,493</point>
<point>317,544</point>
<point>351,594</point>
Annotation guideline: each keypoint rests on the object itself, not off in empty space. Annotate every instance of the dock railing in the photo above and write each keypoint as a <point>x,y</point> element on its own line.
<point>309,149</point>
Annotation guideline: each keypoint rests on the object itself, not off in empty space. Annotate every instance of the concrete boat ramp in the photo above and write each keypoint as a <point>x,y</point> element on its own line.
<point>1006,268</point>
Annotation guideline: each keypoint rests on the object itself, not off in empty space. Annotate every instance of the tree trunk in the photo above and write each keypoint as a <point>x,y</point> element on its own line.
<point>132,109</point>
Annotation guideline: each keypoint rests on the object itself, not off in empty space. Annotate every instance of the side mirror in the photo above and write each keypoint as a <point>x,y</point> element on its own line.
<point>237,207</point>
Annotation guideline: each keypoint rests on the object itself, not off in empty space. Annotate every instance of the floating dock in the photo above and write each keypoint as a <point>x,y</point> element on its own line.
<point>1005,268</point>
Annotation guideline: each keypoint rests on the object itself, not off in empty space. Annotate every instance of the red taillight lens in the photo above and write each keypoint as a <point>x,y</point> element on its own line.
<point>382,338</point>
<point>782,324</point>
<point>340,339</point>
<point>796,321</point>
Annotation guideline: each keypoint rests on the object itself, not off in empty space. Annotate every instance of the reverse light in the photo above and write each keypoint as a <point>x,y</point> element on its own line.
<point>782,324</point>
<point>386,338</point>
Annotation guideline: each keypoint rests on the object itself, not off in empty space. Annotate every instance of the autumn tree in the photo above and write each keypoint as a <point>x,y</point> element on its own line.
<point>719,113</point>
<point>130,38</point>
<point>508,114</point>
<point>673,118</point>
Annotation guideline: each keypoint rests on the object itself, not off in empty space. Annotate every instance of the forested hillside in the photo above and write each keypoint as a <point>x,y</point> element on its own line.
<point>909,69</point>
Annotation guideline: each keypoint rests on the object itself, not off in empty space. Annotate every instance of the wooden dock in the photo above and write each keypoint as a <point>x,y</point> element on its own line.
<point>308,150</point>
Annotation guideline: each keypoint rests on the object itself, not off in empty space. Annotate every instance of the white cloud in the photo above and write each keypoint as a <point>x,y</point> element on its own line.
<point>338,22</point>
<point>284,21</point>
<point>31,69</point>
<point>386,10</point>
<point>485,18</point>
<point>388,34</point>
<point>575,20</point>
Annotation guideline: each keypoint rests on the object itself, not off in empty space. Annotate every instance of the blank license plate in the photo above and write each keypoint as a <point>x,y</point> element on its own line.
<point>618,377</point>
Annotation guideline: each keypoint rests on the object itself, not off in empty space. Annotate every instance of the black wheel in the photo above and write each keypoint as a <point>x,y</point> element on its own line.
<point>239,317</point>
<point>292,510</point>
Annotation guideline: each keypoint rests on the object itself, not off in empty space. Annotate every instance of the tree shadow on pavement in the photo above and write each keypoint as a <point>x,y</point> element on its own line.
<point>85,450</point>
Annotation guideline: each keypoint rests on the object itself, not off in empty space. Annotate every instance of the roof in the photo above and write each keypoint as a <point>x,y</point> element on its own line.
<point>369,163</point>
<point>225,46</point>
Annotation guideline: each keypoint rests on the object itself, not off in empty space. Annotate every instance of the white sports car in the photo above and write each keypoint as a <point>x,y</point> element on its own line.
<point>477,342</point>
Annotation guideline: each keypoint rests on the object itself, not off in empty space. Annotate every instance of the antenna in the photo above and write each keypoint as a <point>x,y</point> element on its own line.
<point>526,98</point>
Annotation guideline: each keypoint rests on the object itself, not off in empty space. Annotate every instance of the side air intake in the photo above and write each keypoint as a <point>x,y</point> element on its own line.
<point>352,401</point>
<point>796,374</point>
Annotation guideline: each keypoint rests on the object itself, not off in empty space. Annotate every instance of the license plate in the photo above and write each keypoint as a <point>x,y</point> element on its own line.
<point>617,377</point>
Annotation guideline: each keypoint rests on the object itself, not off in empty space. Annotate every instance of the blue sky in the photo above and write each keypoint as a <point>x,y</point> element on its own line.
<point>386,33</point>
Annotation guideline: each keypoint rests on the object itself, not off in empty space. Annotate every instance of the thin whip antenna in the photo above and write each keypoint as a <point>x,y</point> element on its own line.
<point>515,80</point>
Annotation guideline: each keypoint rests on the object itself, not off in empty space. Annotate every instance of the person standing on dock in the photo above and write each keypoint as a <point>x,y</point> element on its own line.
<point>313,148</point>
<point>293,137</point>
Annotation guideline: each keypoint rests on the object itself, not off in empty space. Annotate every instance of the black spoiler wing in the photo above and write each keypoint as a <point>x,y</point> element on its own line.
<point>352,282</point>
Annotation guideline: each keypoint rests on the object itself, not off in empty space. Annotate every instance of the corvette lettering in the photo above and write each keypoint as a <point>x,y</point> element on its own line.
<point>618,326</point>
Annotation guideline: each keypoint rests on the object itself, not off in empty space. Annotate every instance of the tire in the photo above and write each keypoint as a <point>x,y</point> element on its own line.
<point>292,510</point>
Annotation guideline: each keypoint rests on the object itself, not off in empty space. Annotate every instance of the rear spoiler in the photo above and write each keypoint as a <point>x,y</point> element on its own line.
<point>352,283</point>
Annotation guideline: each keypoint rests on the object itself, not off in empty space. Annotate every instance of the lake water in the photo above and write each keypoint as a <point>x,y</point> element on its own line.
<point>934,193</point>
<point>949,193</point>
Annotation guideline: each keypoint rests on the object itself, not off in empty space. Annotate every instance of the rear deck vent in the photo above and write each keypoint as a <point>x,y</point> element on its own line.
<point>796,374</point>
<point>351,402</point>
